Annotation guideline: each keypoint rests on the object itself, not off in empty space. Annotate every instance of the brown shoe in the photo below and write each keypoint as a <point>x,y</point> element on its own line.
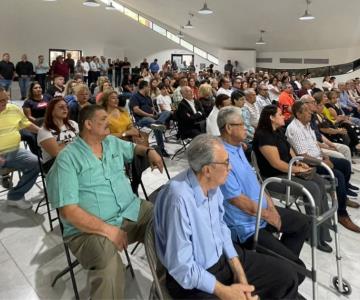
<point>348,224</point>
<point>352,204</point>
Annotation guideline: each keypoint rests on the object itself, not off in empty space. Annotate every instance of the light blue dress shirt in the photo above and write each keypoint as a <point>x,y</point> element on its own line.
<point>345,100</point>
<point>190,234</point>
<point>241,180</point>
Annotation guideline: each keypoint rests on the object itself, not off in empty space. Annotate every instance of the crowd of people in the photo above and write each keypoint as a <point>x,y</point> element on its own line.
<point>85,121</point>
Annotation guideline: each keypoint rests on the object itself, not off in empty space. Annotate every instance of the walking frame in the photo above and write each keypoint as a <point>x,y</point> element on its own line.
<point>340,284</point>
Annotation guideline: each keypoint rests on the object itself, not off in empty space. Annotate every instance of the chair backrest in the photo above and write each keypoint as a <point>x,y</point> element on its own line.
<point>152,258</point>
<point>256,166</point>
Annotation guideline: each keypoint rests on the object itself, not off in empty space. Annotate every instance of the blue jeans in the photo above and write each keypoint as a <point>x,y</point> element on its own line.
<point>26,162</point>
<point>24,83</point>
<point>147,121</point>
<point>6,84</point>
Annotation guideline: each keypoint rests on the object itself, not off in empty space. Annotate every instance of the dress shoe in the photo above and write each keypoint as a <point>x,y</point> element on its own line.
<point>351,194</point>
<point>6,181</point>
<point>324,247</point>
<point>352,204</point>
<point>348,224</point>
<point>352,187</point>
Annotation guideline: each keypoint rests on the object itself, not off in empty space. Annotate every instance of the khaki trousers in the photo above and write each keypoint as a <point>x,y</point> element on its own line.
<point>100,257</point>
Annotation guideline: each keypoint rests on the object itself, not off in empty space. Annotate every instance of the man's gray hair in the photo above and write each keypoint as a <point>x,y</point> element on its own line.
<point>201,151</point>
<point>306,98</point>
<point>228,115</point>
<point>249,91</point>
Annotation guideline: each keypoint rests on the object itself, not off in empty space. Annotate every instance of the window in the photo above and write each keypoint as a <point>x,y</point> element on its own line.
<point>131,14</point>
<point>173,37</point>
<point>187,45</point>
<point>145,22</point>
<point>159,29</point>
<point>212,59</point>
<point>200,52</point>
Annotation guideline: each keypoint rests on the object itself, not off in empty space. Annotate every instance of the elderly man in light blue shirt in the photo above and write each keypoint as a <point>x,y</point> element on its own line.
<point>100,212</point>
<point>194,244</point>
<point>241,192</point>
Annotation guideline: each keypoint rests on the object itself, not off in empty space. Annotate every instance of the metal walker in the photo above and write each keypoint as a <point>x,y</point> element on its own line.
<point>340,284</point>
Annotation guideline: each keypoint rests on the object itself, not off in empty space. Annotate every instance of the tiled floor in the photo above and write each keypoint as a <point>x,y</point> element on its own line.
<point>31,255</point>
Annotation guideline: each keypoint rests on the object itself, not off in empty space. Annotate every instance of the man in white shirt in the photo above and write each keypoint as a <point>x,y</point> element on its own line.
<point>225,87</point>
<point>303,140</point>
<point>86,68</point>
<point>250,100</point>
<point>163,101</point>
<point>262,99</point>
<point>212,128</point>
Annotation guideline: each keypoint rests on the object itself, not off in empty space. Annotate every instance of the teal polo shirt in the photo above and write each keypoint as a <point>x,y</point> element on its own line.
<point>98,186</point>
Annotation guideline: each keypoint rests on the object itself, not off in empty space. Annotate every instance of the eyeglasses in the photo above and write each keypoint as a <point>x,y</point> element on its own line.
<point>225,163</point>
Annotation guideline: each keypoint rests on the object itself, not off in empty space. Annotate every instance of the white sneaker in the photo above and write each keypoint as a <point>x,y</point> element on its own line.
<point>22,204</point>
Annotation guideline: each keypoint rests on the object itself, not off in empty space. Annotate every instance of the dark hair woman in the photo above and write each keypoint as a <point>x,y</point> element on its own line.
<point>56,132</point>
<point>274,153</point>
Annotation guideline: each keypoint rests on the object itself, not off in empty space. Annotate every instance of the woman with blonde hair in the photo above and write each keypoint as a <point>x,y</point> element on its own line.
<point>120,123</point>
<point>81,99</point>
<point>206,98</point>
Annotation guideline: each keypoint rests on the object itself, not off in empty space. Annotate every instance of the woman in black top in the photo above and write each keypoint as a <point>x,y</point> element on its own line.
<point>274,153</point>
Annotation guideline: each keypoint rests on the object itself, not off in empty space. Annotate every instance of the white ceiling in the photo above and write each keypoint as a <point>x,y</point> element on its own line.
<point>236,23</point>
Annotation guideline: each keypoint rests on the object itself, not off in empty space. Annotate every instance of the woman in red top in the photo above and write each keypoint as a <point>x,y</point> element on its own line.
<point>195,90</point>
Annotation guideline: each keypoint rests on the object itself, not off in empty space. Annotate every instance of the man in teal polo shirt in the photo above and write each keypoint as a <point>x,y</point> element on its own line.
<point>100,213</point>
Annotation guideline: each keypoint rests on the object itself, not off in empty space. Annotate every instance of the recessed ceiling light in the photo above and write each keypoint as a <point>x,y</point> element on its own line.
<point>91,3</point>
<point>205,10</point>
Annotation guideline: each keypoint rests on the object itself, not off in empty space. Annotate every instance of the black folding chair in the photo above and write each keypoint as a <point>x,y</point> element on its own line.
<point>73,263</point>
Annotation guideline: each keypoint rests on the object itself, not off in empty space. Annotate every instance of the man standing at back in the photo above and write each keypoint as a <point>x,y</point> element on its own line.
<point>154,66</point>
<point>7,72</point>
<point>25,70</point>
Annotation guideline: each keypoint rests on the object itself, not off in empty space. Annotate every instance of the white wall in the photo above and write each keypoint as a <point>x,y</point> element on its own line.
<point>246,58</point>
<point>336,57</point>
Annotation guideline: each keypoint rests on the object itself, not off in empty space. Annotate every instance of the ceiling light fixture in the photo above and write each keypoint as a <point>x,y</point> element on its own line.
<point>188,25</point>
<point>110,6</point>
<point>91,3</point>
<point>205,10</point>
<point>261,41</point>
<point>307,15</point>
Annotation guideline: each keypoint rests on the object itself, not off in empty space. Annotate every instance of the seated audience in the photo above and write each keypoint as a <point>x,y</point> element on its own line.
<point>56,132</point>
<point>69,90</point>
<point>274,153</point>
<point>154,90</point>
<point>250,104</point>
<point>286,101</point>
<point>146,116</point>
<point>194,243</point>
<point>262,99</point>
<point>177,97</point>
<point>34,106</point>
<point>238,100</point>
<point>225,87</point>
<point>105,85</point>
<point>100,213</point>
<point>58,88</point>
<point>348,106</point>
<point>11,155</point>
<point>120,123</point>
<point>82,96</point>
<point>274,90</point>
<point>303,140</point>
<point>212,128</point>
<point>163,100</point>
<point>206,98</point>
<point>241,191</point>
<point>194,88</point>
<point>190,115</point>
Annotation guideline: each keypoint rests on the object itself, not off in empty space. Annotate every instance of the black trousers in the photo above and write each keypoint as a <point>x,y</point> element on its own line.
<point>317,189</point>
<point>272,277</point>
<point>342,172</point>
<point>294,228</point>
